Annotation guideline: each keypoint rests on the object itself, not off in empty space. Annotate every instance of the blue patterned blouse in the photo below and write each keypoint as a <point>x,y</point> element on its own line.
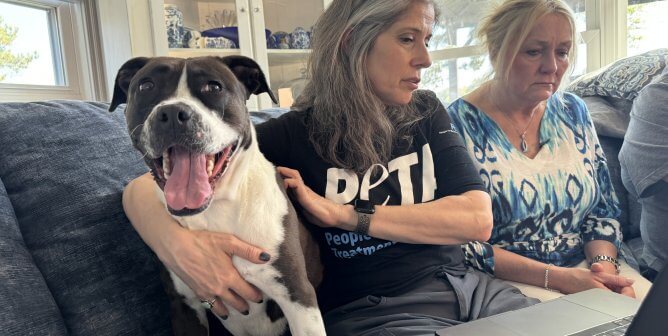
<point>548,207</point>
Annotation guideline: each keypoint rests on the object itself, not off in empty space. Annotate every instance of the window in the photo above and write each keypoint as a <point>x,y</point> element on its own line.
<point>459,63</point>
<point>29,53</point>
<point>608,29</point>
<point>646,26</point>
<point>44,51</point>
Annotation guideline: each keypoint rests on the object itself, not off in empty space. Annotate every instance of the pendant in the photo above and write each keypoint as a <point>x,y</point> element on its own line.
<point>523,144</point>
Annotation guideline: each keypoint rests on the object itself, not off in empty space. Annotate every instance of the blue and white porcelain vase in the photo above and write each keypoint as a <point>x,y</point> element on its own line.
<point>299,39</point>
<point>280,40</point>
<point>174,25</point>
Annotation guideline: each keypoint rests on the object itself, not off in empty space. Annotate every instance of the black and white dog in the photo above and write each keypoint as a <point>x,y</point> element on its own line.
<point>189,119</point>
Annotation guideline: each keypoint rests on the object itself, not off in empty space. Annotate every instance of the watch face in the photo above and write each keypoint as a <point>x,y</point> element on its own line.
<point>364,206</point>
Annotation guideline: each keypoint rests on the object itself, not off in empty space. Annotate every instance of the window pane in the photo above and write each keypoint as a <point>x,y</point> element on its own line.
<point>579,10</point>
<point>646,26</point>
<point>26,54</point>
<point>578,7</point>
<point>453,78</point>
<point>457,23</point>
<point>459,18</point>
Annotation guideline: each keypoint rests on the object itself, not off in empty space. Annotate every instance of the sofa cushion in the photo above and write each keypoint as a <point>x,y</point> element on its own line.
<point>608,120</point>
<point>64,165</point>
<point>628,221</point>
<point>23,291</point>
<point>647,139</point>
<point>629,218</point>
<point>622,79</point>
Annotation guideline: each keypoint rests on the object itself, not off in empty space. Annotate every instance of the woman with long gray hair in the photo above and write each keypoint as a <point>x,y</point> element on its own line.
<point>387,185</point>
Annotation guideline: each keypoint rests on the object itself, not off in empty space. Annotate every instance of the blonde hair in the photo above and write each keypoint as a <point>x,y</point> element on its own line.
<point>348,124</point>
<point>506,28</point>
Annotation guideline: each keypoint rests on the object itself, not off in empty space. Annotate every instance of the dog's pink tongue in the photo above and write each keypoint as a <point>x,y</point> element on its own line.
<point>188,185</point>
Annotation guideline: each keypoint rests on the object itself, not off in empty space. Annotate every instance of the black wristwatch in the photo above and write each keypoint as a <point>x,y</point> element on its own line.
<point>364,209</point>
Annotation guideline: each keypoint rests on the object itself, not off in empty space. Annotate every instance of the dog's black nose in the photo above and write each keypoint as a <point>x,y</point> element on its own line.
<point>175,114</point>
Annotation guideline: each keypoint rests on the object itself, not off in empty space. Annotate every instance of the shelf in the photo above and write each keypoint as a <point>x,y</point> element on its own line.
<point>276,56</point>
<point>287,56</point>
<point>190,52</point>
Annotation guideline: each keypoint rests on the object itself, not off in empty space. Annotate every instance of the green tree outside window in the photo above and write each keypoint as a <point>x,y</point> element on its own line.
<point>10,62</point>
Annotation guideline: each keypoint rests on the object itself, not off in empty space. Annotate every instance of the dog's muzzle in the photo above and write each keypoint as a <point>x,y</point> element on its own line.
<point>188,178</point>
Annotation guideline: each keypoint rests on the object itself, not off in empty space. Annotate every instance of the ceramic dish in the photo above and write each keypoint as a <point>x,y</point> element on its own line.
<point>230,33</point>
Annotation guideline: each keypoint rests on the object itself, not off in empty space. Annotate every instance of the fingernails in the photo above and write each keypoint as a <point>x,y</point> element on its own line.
<point>260,301</point>
<point>224,317</point>
<point>244,313</point>
<point>264,256</point>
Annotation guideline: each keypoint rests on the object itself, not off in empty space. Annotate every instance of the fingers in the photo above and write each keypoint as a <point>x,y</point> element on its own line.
<point>247,291</point>
<point>231,299</point>
<point>603,267</point>
<point>234,246</point>
<point>628,291</point>
<point>291,183</point>
<point>288,172</point>
<point>611,280</point>
<point>220,309</point>
<point>211,273</point>
<point>221,303</point>
<point>291,178</point>
<point>596,267</point>
<point>235,297</point>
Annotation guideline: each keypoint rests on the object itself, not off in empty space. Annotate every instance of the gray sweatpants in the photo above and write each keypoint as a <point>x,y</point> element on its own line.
<point>448,300</point>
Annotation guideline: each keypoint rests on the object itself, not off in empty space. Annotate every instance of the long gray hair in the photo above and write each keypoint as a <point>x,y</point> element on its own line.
<point>348,124</point>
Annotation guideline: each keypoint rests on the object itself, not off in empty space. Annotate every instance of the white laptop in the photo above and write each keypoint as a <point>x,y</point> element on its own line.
<point>592,312</point>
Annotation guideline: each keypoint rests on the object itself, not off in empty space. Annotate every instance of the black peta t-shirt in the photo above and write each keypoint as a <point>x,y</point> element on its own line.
<point>436,165</point>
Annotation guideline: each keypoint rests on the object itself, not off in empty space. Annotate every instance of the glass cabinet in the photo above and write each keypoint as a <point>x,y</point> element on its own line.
<point>275,33</point>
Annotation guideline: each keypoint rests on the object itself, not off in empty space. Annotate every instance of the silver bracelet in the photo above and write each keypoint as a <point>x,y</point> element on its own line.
<point>547,277</point>
<point>609,259</point>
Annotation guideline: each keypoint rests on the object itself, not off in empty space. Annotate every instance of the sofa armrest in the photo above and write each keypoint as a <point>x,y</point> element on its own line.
<point>64,165</point>
<point>28,308</point>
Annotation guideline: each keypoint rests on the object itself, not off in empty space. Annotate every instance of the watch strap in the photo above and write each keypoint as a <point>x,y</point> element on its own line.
<point>363,223</point>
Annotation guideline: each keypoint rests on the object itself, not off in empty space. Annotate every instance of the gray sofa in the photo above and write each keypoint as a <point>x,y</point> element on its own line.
<point>70,262</point>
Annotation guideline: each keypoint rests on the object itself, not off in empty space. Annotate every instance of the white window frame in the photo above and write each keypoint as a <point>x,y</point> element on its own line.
<point>76,32</point>
<point>606,32</point>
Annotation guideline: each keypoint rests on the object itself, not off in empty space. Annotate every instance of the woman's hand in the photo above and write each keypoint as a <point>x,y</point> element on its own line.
<point>610,269</point>
<point>317,209</point>
<point>203,260</point>
<point>573,279</point>
<point>606,248</point>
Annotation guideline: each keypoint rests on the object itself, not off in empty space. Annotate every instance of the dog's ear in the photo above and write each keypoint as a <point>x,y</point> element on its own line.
<point>248,72</point>
<point>123,78</point>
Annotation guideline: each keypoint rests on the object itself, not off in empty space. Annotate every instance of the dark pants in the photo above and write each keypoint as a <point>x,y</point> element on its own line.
<point>446,301</point>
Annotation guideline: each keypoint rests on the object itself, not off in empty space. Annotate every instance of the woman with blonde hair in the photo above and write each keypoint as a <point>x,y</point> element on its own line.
<point>555,227</point>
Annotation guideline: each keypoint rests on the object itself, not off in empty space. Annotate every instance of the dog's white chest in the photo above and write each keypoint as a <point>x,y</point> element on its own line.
<point>258,222</point>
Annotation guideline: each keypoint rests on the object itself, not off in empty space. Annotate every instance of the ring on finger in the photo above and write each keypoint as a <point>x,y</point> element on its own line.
<point>207,304</point>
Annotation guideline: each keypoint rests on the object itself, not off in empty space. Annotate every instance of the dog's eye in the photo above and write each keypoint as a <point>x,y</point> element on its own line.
<point>145,86</point>
<point>212,87</point>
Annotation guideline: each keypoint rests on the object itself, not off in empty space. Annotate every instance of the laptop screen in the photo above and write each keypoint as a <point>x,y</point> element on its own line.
<point>650,319</point>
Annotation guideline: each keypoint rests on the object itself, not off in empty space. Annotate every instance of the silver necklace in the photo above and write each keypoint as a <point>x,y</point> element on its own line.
<point>523,134</point>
